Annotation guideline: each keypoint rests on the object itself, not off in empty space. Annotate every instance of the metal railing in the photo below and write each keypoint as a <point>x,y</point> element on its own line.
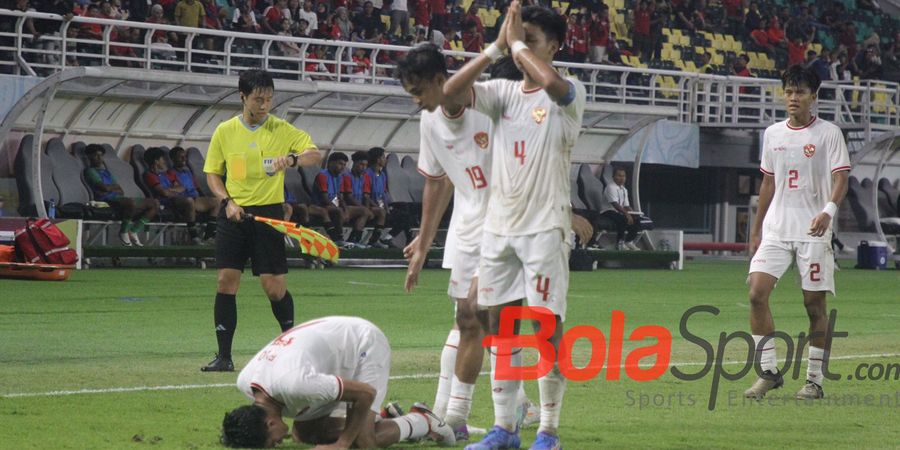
<point>708,100</point>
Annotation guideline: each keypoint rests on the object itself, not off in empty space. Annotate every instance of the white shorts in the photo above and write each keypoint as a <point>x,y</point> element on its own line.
<point>535,267</point>
<point>463,270</point>
<point>597,54</point>
<point>815,262</point>
<point>375,367</point>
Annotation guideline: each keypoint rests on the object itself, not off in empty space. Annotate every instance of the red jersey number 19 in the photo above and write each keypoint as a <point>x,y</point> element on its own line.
<point>477,177</point>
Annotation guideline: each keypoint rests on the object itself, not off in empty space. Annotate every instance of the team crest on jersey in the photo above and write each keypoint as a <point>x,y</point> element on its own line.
<point>809,150</point>
<point>481,138</point>
<point>538,114</point>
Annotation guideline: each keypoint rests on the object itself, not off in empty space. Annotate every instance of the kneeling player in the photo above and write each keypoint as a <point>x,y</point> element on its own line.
<point>306,373</point>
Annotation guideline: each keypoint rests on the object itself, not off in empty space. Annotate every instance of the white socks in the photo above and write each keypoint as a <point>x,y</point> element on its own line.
<point>448,367</point>
<point>460,403</point>
<point>505,393</point>
<point>412,426</point>
<point>814,369</point>
<point>553,386</point>
<point>767,358</point>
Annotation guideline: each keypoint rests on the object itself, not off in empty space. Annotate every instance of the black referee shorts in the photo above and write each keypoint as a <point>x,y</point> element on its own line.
<point>237,241</point>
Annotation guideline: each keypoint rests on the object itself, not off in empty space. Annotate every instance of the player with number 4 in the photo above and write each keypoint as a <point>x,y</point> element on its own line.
<point>805,166</point>
<point>536,123</point>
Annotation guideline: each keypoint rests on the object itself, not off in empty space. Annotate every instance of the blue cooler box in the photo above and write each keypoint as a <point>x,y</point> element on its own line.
<point>872,255</point>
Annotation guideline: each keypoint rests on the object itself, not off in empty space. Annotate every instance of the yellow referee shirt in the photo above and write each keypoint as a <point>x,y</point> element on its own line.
<point>244,154</point>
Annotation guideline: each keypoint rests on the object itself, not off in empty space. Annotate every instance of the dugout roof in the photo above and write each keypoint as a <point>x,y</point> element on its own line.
<point>148,107</point>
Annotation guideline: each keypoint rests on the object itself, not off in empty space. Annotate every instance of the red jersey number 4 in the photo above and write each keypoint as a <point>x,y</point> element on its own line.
<point>519,152</point>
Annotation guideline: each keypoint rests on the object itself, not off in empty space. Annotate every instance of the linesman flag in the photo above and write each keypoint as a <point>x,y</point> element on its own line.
<point>311,242</point>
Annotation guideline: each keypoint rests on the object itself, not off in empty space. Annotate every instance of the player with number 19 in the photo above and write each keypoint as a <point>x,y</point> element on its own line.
<point>537,122</point>
<point>805,166</point>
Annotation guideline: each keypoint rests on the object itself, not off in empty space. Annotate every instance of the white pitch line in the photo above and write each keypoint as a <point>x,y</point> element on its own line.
<point>414,376</point>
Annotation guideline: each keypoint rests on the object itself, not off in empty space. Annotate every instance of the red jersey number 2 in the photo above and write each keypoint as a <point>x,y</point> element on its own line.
<point>519,152</point>
<point>793,176</point>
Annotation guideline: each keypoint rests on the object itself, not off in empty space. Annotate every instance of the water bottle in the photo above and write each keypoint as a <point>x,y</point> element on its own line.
<point>51,211</point>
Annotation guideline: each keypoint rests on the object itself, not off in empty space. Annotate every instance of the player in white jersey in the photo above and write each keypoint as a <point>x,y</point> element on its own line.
<point>306,373</point>
<point>529,215</point>
<point>805,166</point>
<point>454,157</point>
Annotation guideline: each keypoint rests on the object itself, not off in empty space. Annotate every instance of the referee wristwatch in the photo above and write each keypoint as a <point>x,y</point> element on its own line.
<point>294,159</point>
<point>225,201</point>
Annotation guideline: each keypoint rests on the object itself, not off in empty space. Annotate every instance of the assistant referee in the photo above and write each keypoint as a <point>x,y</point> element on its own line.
<point>252,149</point>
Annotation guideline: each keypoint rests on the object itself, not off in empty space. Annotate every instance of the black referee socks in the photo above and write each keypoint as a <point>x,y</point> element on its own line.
<point>225,315</point>
<point>284,311</point>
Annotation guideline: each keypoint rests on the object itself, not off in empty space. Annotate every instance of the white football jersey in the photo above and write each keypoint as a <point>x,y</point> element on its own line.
<point>613,193</point>
<point>304,368</point>
<point>533,139</point>
<point>459,147</point>
<point>802,161</point>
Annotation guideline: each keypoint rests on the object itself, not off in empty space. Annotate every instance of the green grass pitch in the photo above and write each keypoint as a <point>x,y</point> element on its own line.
<point>129,343</point>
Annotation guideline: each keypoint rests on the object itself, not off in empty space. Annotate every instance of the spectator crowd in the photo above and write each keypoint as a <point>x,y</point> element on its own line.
<point>784,31</point>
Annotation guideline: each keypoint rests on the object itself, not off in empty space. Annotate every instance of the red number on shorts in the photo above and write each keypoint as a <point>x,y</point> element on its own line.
<point>519,152</point>
<point>793,176</point>
<point>814,270</point>
<point>477,177</point>
<point>543,286</point>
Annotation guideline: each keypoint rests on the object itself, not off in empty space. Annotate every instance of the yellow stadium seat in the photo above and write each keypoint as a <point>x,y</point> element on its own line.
<point>466,4</point>
<point>699,50</point>
<point>685,40</point>
<point>488,17</point>
<point>676,55</point>
<point>554,4</point>
<point>718,59</point>
<point>690,66</point>
<point>667,31</point>
<point>563,6</point>
<point>619,4</point>
<point>386,20</point>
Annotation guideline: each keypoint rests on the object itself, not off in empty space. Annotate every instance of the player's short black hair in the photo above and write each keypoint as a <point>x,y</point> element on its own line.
<point>423,62</point>
<point>152,154</point>
<point>176,150</point>
<point>245,427</point>
<point>94,148</point>
<point>337,156</point>
<point>374,154</point>
<point>800,76</point>
<point>552,24</point>
<point>254,79</point>
<point>505,69</point>
<point>619,169</point>
<point>360,156</point>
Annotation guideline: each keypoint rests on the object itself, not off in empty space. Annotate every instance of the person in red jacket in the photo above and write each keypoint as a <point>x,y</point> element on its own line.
<point>599,37</point>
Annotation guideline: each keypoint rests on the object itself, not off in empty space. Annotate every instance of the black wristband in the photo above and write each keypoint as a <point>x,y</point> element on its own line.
<point>226,200</point>
<point>295,158</point>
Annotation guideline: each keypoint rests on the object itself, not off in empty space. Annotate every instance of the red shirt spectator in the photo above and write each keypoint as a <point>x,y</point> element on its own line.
<point>776,34</point>
<point>642,22</point>
<point>797,52</point>
<point>423,13</point>
<point>599,31</point>
<point>472,40</point>
<point>578,38</point>
<point>733,8</point>
<point>760,37</point>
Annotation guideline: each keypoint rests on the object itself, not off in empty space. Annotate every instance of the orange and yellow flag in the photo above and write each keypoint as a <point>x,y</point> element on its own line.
<point>311,242</point>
